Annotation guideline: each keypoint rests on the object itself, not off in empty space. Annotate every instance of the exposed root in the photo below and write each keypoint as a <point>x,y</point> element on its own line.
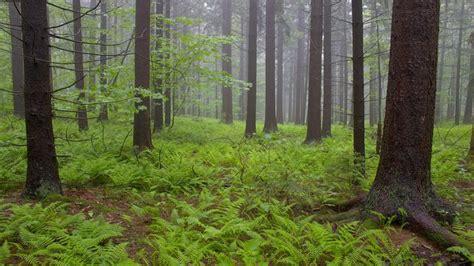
<point>348,216</point>
<point>355,202</point>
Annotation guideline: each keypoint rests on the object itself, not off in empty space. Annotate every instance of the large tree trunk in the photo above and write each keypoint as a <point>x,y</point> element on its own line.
<point>158,103</point>
<point>470,87</point>
<point>227,116</point>
<point>314,89</point>
<point>104,109</point>
<point>141,124</point>
<point>251,123</point>
<point>280,44</point>
<point>79,66</point>
<point>42,174</point>
<point>327,107</point>
<point>270,108</point>
<point>358,85</point>
<point>17,59</point>
<point>403,178</point>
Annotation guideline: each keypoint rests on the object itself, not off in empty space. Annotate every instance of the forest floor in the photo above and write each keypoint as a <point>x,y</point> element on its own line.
<point>206,195</point>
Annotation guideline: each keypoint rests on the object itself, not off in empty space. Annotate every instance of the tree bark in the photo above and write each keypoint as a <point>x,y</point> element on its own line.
<point>104,109</point>
<point>403,178</point>
<point>270,108</point>
<point>42,171</point>
<point>227,115</point>
<point>251,123</point>
<point>327,105</point>
<point>82,121</point>
<point>358,86</point>
<point>314,133</point>
<point>141,124</point>
<point>18,76</point>
<point>280,77</point>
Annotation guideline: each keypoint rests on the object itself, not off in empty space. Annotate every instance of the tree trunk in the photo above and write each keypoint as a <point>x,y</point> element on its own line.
<point>439,103</point>
<point>79,66</point>
<point>242,67</point>
<point>313,133</point>
<point>403,178</point>
<point>358,86</point>
<point>168,100</point>
<point>457,113</point>
<point>158,110</point>
<point>251,123</point>
<point>327,108</point>
<point>346,67</point>
<point>42,172</point>
<point>470,88</point>
<point>17,59</point>
<point>270,108</point>
<point>299,89</point>
<point>280,44</point>
<point>227,116</point>
<point>104,109</point>
<point>141,123</point>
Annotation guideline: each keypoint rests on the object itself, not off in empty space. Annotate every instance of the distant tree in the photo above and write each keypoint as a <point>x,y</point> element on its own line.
<point>141,125</point>
<point>300,61</point>
<point>403,179</point>
<point>242,65</point>
<point>315,66</point>
<point>358,84</point>
<point>470,87</point>
<point>251,122</point>
<point>457,112</point>
<point>270,108</point>
<point>42,171</point>
<point>104,109</point>
<point>227,115</point>
<point>327,105</point>
<point>79,65</point>
<point>280,53</point>
<point>17,59</point>
<point>158,82</point>
<point>168,100</point>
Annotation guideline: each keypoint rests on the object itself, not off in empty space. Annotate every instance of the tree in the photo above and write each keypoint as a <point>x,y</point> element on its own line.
<point>300,84</point>
<point>17,59</point>
<point>327,105</point>
<point>270,108</point>
<point>79,65</point>
<point>470,87</point>
<point>141,125</point>
<point>227,115</point>
<point>42,167</point>
<point>471,91</point>
<point>168,99</point>
<point>251,122</point>
<point>158,103</point>
<point>457,112</point>
<point>314,97</point>
<point>280,49</point>
<point>403,178</point>
<point>104,109</point>
<point>358,85</point>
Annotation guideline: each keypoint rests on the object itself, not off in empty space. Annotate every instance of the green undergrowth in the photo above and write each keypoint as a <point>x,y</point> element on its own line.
<point>212,197</point>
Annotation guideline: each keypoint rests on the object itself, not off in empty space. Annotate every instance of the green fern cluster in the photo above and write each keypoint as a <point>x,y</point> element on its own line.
<point>39,235</point>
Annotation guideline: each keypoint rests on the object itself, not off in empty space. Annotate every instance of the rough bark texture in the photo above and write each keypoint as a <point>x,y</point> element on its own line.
<point>251,123</point>
<point>17,59</point>
<point>79,65</point>
<point>270,108</point>
<point>280,44</point>
<point>227,116</point>
<point>327,105</point>
<point>141,124</point>
<point>403,178</point>
<point>104,109</point>
<point>314,89</point>
<point>42,171</point>
<point>358,85</point>
<point>158,82</point>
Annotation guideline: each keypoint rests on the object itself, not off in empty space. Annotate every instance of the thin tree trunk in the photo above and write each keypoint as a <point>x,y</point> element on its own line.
<point>168,100</point>
<point>470,88</point>
<point>158,117</point>
<point>42,176</point>
<point>358,86</point>
<point>251,123</point>
<point>314,133</point>
<point>227,115</point>
<point>457,113</point>
<point>327,108</point>
<point>242,65</point>
<point>79,66</point>
<point>270,108</point>
<point>104,109</point>
<point>299,89</point>
<point>439,104</point>
<point>18,77</point>
<point>280,44</point>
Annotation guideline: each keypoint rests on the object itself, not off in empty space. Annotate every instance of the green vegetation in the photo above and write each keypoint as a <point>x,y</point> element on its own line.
<point>206,195</point>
